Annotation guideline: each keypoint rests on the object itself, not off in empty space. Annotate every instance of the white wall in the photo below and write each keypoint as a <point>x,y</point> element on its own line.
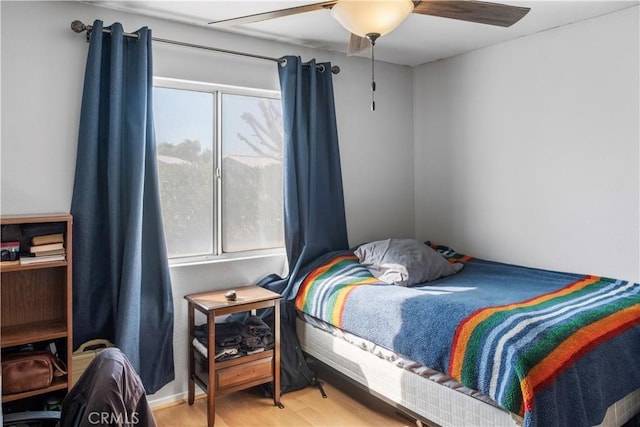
<point>527,151</point>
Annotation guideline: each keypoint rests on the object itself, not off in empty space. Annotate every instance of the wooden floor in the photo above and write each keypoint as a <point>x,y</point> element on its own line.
<point>304,407</point>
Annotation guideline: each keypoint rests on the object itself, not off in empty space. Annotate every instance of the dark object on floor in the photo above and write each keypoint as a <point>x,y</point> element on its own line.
<point>109,392</point>
<point>295,373</point>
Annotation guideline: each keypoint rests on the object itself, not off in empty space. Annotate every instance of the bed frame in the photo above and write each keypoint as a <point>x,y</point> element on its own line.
<point>427,396</point>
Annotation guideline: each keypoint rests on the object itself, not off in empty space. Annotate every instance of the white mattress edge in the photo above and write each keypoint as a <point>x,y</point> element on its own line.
<point>419,394</point>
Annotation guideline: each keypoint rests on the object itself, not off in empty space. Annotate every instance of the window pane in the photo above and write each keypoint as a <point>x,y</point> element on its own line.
<point>184,135</point>
<point>251,173</point>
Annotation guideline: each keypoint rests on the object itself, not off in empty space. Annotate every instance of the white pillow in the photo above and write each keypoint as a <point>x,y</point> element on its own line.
<point>404,262</point>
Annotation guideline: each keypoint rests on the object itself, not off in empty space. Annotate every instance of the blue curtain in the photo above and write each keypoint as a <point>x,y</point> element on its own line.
<point>122,287</point>
<point>313,198</point>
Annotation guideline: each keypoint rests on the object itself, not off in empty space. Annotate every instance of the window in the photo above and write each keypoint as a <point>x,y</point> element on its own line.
<point>220,168</point>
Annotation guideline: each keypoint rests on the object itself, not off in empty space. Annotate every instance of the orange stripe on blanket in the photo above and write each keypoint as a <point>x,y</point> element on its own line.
<point>341,300</point>
<point>465,258</point>
<point>574,347</point>
<point>304,287</point>
<point>468,325</point>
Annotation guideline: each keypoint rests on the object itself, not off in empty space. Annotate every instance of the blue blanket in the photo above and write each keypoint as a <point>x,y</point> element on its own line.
<point>459,324</point>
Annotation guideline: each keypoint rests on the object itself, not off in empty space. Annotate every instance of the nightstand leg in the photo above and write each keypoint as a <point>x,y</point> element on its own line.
<point>192,385</point>
<point>276,355</point>
<point>211,351</point>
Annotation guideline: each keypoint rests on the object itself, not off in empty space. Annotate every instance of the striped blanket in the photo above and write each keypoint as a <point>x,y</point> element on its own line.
<point>557,348</point>
<point>325,290</point>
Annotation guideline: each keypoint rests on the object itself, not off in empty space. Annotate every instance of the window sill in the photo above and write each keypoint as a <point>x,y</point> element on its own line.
<point>228,257</point>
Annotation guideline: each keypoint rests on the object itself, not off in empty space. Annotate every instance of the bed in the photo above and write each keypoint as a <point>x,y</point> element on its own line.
<point>492,344</point>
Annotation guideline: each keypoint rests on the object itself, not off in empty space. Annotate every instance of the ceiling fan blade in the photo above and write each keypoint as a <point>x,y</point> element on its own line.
<point>273,14</point>
<point>358,45</point>
<point>473,11</point>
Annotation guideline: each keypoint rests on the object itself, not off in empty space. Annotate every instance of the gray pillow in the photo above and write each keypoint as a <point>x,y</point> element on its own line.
<point>404,262</point>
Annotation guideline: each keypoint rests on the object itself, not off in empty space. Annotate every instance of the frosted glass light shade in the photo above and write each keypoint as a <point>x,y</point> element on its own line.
<point>362,17</point>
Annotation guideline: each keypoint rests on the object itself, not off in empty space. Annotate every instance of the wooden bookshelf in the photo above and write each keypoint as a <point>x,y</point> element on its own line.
<point>36,298</point>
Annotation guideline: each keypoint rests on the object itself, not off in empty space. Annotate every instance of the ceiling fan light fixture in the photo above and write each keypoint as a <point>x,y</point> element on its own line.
<point>362,17</point>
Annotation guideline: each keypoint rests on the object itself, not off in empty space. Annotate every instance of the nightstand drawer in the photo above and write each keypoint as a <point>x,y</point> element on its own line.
<point>244,373</point>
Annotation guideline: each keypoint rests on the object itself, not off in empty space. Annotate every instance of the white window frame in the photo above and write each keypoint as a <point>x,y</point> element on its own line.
<point>217,90</point>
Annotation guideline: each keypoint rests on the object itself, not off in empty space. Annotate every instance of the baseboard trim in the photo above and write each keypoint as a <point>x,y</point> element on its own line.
<point>173,400</point>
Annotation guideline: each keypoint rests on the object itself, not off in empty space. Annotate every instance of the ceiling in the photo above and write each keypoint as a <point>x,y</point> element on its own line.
<point>419,39</point>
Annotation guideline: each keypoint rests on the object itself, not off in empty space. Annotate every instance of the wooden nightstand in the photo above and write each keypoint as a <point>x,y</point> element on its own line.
<point>217,378</point>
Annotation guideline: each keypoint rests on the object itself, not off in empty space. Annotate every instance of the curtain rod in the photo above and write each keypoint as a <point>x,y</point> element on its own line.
<point>79,27</point>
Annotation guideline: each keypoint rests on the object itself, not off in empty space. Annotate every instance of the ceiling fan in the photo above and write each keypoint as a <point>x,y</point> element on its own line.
<point>367,20</point>
<point>465,10</point>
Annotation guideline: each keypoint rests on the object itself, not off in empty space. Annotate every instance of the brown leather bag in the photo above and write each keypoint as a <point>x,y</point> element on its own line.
<point>29,370</point>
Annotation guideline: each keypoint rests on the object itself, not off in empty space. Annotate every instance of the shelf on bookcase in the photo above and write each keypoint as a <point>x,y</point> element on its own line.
<point>33,332</point>
<point>58,384</point>
<point>35,266</point>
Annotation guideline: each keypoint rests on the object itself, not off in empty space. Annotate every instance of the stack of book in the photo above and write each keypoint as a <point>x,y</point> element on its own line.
<point>45,248</point>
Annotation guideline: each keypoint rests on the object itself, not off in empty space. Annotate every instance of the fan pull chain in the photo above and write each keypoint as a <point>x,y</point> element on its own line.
<point>372,37</point>
<point>373,80</point>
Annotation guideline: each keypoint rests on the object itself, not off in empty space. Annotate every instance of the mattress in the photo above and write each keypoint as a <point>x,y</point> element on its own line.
<point>419,391</point>
<point>536,341</point>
